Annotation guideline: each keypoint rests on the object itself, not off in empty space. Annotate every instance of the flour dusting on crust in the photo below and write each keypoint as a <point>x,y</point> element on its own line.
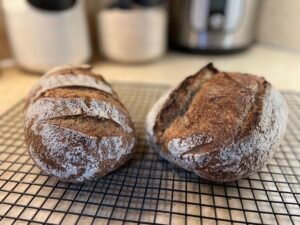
<point>68,80</point>
<point>152,114</point>
<point>84,159</point>
<point>257,148</point>
<point>178,146</point>
<point>239,159</point>
<point>47,108</point>
<point>64,67</point>
<point>66,153</point>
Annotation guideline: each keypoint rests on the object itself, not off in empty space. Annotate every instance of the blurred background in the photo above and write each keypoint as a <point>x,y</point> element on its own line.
<point>156,41</point>
<point>141,47</point>
<point>40,34</point>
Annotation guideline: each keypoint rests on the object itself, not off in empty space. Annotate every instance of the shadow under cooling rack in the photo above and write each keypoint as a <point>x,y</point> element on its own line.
<point>147,190</point>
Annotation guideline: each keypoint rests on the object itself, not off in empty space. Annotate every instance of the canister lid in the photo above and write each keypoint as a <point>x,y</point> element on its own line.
<point>52,5</point>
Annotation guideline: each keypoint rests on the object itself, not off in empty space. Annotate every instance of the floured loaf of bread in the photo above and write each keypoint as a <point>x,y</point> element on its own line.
<point>76,128</point>
<point>221,126</point>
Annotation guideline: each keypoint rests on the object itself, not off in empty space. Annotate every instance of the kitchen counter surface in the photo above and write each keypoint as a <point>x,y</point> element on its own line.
<point>279,66</point>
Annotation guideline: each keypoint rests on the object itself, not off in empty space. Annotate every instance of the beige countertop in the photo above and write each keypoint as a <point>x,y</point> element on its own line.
<point>281,67</point>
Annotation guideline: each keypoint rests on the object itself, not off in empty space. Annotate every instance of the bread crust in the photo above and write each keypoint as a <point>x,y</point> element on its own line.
<point>76,128</point>
<point>227,129</point>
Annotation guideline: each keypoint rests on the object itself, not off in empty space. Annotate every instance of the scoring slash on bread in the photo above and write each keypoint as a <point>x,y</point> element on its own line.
<point>221,126</point>
<point>76,128</point>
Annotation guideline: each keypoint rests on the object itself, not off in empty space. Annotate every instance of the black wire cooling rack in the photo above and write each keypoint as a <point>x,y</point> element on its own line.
<point>147,190</point>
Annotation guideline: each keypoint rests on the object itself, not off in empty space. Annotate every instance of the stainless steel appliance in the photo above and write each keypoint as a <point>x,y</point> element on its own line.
<point>213,25</point>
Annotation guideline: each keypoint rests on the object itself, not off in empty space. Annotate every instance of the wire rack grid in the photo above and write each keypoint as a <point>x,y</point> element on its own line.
<point>148,189</point>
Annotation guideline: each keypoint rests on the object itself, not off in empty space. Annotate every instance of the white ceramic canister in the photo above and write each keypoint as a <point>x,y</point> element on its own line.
<point>47,33</point>
<point>132,36</point>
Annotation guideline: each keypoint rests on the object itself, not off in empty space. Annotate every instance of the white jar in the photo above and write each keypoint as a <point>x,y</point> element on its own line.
<point>134,35</point>
<point>41,39</point>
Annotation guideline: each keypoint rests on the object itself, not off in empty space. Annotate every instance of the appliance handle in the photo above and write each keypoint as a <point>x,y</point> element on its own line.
<point>199,14</point>
<point>233,14</point>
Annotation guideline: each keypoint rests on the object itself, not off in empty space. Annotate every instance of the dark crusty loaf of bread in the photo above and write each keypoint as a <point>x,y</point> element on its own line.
<point>221,126</point>
<point>76,128</point>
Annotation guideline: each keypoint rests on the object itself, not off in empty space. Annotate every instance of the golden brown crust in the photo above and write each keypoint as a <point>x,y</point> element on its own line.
<point>226,129</point>
<point>233,100</point>
<point>77,133</point>
<point>179,99</point>
<point>75,72</point>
